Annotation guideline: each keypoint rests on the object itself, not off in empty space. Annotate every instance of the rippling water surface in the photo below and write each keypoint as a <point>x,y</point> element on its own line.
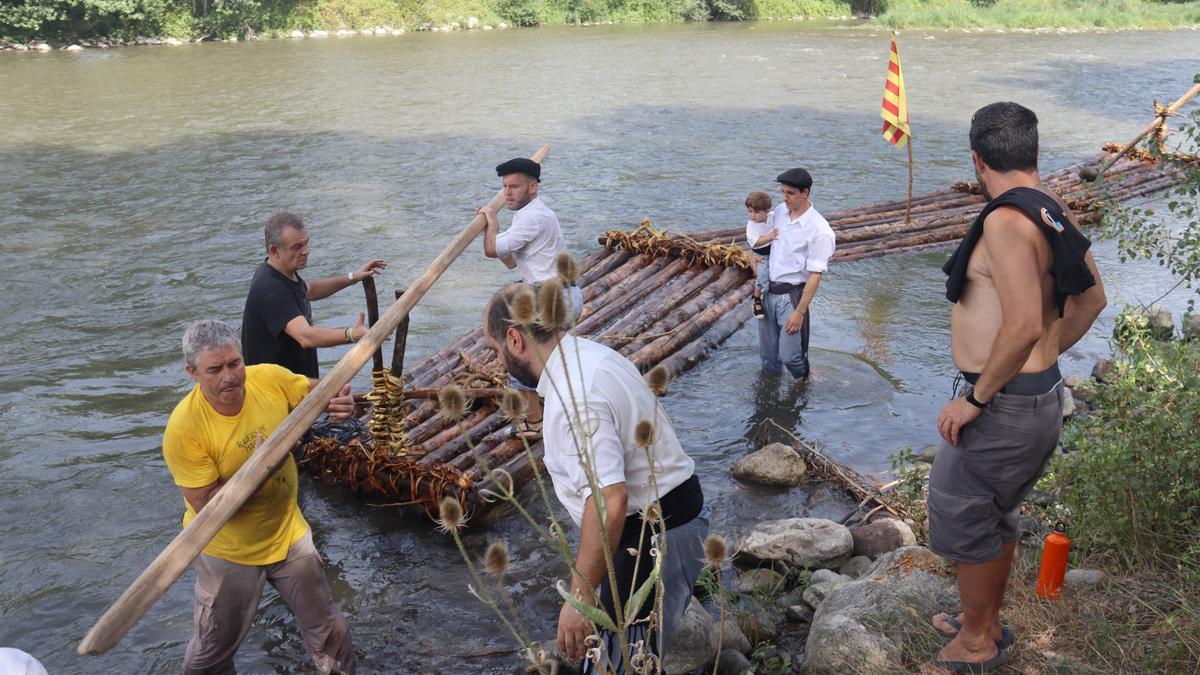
<point>133,188</point>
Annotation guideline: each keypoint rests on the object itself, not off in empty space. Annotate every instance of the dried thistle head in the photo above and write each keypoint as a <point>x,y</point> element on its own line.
<point>715,550</point>
<point>652,512</point>
<point>659,380</point>
<point>450,515</point>
<point>568,271</point>
<point>452,401</point>
<point>552,309</point>
<point>643,434</point>
<point>496,558</point>
<point>512,405</point>
<point>523,307</point>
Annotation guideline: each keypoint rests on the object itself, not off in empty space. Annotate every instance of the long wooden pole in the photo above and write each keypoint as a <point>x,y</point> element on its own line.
<point>1159,120</point>
<point>908,204</point>
<point>368,285</point>
<point>175,558</point>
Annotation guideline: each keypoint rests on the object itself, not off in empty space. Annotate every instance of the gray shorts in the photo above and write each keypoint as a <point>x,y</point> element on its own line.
<point>976,488</point>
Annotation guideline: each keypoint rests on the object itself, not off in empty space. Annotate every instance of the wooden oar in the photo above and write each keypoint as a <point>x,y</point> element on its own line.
<point>1159,120</point>
<point>175,558</point>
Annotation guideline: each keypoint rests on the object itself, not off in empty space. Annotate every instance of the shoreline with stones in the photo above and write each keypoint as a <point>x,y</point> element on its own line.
<point>475,24</point>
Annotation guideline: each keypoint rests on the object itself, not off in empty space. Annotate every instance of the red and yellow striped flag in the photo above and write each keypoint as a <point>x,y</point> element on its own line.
<point>895,104</point>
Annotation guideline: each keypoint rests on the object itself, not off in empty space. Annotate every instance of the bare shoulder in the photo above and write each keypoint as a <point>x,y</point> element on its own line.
<point>1009,225</point>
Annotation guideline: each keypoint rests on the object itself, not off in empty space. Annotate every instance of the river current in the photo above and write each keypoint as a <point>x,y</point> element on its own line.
<point>134,184</point>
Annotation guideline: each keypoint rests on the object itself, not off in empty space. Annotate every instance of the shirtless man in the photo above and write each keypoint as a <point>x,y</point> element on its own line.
<point>1025,289</point>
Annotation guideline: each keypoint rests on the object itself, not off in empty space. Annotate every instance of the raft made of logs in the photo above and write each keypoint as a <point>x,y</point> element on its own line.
<point>659,299</point>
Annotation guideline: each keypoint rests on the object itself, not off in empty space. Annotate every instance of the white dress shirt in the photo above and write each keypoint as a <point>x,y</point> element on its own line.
<point>804,246</point>
<point>594,401</point>
<point>533,240</point>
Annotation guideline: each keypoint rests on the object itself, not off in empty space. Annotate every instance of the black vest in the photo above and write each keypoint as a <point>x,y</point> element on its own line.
<point>1068,245</point>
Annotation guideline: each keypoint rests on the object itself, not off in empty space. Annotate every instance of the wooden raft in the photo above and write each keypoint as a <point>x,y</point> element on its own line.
<point>657,298</point>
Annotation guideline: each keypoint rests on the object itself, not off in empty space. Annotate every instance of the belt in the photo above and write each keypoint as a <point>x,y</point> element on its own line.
<point>780,288</point>
<point>1026,384</point>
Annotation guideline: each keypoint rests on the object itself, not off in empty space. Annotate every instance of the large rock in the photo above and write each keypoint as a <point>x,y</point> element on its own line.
<point>856,566</point>
<point>696,641</point>
<point>814,595</point>
<point>863,626</point>
<point>758,581</point>
<point>732,636</point>
<point>1068,407</point>
<point>732,662</point>
<point>801,542</point>
<point>1162,324</point>
<point>1102,371</point>
<point>1191,326</point>
<point>775,464</point>
<point>1081,578</point>
<point>928,453</point>
<point>882,536</point>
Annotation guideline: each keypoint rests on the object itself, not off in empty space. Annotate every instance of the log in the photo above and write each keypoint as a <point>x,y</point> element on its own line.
<point>1159,120</point>
<point>470,392</point>
<point>176,557</point>
<point>400,345</point>
<point>368,285</point>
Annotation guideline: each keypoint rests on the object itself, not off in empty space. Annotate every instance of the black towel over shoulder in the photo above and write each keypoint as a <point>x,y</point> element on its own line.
<point>1067,243</point>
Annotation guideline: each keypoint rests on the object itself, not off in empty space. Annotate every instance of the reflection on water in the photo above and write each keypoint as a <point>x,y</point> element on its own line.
<point>136,182</point>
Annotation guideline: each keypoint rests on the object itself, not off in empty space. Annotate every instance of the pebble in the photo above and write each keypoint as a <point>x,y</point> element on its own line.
<point>758,581</point>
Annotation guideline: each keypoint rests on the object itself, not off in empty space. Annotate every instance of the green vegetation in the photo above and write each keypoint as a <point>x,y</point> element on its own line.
<point>1011,14</point>
<point>71,20</point>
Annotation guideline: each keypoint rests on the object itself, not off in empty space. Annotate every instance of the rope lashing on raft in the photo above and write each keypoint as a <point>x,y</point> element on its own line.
<point>663,243</point>
<point>379,476</point>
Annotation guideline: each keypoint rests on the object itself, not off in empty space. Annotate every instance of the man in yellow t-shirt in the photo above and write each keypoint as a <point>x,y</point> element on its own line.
<point>210,434</point>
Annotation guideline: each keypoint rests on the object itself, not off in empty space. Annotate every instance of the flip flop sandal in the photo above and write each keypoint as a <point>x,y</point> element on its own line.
<point>525,430</point>
<point>971,667</point>
<point>1006,635</point>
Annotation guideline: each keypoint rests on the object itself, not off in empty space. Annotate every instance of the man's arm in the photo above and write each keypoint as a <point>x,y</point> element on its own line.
<point>198,497</point>
<point>323,288</point>
<point>490,233</point>
<point>310,336</point>
<point>1010,242</point>
<point>796,319</point>
<point>1081,310</point>
<point>573,629</point>
<point>340,407</point>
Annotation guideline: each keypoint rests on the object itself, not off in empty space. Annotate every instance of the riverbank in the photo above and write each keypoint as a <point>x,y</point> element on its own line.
<point>87,23</point>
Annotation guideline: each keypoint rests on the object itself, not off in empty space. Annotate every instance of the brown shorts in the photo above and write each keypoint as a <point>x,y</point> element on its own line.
<point>976,488</point>
<point>227,597</point>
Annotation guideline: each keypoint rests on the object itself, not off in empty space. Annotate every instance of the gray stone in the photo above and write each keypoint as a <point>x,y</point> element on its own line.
<point>1072,381</point>
<point>882,536</point>
<point>814,595</point>
<point>799,614</point>
<point>695,643</point>
<point>758,581</point>
<point>801,542</point>
<point>1162,323</point>
<point>1102,371</point>
<point>1030,528</point>
<point>855,566</point>
<point>864,625</point>
<point>1068,407</point>
<point>732,662</point>
<point>776,465</point>
<point>1191,326</point>
<point>826,575</point>
<point>928,453</point>
<point>732,636</point>
<point>1081,578</point>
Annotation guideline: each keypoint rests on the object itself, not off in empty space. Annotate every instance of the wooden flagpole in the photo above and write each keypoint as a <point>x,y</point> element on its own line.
<point>908,205</point>
<point>175,558</point>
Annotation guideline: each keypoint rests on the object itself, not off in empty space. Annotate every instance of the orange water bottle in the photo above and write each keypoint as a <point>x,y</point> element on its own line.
<point>1054,563</point>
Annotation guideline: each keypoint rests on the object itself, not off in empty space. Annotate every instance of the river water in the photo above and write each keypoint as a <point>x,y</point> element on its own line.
<point>133,188</point>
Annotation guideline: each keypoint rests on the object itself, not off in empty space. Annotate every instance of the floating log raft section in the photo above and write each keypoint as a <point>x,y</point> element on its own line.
<point>658,299</point>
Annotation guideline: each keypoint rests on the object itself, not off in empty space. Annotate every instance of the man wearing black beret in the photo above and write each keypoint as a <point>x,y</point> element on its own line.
<point>799,256</point>
<point>530,246</point>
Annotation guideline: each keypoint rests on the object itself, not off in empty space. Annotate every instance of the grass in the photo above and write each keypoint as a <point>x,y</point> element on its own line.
<point>1015,14</point>
<point>1149,623</point>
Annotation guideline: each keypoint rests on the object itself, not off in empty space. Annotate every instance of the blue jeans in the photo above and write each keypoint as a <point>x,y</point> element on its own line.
<point>777,348</point>
<point>764,275</point>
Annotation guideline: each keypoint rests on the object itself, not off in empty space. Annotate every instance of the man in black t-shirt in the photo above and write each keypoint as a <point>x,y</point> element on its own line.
<point>277,322</point>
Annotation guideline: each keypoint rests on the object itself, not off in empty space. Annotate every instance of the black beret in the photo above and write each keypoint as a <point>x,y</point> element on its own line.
<point>797,178</point>
<point>520,165</point>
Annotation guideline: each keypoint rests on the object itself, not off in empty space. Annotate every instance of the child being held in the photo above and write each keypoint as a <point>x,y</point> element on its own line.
<point>759,235</point>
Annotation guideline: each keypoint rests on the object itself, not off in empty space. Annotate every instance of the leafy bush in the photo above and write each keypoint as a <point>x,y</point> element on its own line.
<point>1131,484</point>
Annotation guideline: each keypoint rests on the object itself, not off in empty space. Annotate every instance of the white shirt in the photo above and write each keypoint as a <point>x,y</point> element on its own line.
<point>533,239</point>
<point>804,246</point>
<point>594,402</point>
<point>755,231</point>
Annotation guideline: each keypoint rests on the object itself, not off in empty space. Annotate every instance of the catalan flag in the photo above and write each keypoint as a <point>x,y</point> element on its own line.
<point>895,104</point>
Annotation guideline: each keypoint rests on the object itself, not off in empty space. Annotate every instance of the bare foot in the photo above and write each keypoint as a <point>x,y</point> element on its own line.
<point>940,623</point>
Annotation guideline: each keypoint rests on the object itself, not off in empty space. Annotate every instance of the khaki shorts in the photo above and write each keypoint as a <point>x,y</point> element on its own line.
<point>976,488</point>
